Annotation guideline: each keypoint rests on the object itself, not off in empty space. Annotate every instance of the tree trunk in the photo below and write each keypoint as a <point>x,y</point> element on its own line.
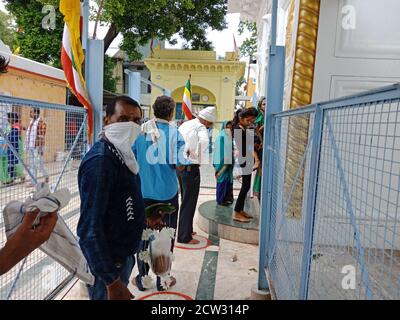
<point>112,33</point>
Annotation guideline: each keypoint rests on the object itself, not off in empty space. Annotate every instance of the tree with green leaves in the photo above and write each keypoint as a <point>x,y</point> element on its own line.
<point>39,39</point>
<point>137,20</point>
<point>250,45</point>
<point>239,85</point>
<point>140,21</point>
<point>7,31</point>
<point>35,40</point>
<point>110,82</point>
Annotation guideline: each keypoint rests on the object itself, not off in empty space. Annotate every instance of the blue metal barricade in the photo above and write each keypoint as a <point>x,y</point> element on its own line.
<point>333,229</point>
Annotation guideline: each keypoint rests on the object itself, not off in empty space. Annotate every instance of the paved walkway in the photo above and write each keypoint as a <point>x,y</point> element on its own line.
<point>224,270</point>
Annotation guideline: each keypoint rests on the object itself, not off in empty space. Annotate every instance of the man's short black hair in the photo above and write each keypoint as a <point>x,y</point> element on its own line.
<point>13,116</point>
<point>36,111</point>
<point>3,64</point>
<point>163,107</point>
<point>110,108</point>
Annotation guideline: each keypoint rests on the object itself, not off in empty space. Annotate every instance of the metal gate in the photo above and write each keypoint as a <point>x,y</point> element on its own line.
<point>333,225</point>
<point>56,158</point>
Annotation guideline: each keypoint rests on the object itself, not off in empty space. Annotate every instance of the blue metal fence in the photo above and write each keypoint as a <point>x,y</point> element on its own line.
<point>333,230</point>
<point>38,276</point>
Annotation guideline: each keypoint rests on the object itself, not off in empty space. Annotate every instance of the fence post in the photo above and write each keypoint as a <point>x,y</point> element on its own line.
<point>275,84</point>
<point>311,202</point>
<point>274,88</point>
<point>134,84</point>
<point>94,79</point>
<point>274,105</point>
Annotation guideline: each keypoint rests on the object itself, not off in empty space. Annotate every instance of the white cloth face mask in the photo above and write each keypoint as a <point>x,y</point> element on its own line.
<point>122,135</point>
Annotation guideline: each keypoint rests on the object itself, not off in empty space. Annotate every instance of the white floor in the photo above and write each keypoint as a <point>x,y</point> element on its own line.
<point>234,279</point>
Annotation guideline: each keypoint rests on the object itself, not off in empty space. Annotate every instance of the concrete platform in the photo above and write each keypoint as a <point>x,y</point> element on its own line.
<point>217,221</point>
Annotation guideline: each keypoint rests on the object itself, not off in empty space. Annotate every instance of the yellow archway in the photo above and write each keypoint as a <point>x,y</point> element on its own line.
<point>200,95</point>
<point>201,98</point>
<point>213,80</point>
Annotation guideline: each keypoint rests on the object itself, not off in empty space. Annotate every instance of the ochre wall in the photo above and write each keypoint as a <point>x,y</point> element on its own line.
<point>171,69</point>
<point>19,83</point>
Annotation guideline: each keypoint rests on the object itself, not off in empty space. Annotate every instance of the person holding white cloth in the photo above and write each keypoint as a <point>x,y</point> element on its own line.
<point>197,141</point>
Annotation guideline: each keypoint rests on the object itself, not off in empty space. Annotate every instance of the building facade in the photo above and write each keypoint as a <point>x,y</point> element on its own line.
<point>213,81</point>
<point>333,47</point>
<point>29,79</point>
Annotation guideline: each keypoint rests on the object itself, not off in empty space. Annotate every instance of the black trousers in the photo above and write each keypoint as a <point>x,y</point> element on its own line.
<point>189,181</point>
<point>246,183</point>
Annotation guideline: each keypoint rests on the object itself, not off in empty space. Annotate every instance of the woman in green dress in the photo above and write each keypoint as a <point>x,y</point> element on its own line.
<point>4,177</point>
<point>19,169</point>
<point>258,147</point>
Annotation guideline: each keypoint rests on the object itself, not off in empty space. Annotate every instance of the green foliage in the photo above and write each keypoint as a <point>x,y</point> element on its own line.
<point>54,3</point>
<point>35,42</point>
<point>140,21</point>
<point>200,42</point>
<point>110,82</point>
<point>239,85</point>
<point>130,45</point>
<point>7,31</point>
<point>249,45</point>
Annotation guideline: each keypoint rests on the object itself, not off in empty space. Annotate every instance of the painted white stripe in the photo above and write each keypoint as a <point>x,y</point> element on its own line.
<point>66,42</point>
<point>78,84</point>
<point>67,47</point>
<point>188,102</point>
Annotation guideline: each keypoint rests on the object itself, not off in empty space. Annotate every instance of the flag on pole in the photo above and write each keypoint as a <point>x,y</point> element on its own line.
<point>187,101</point>
<point>235,47</point>
<point>72,55</point>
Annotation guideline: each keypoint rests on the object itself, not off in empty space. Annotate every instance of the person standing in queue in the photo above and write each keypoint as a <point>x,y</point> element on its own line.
<point>197,141</point>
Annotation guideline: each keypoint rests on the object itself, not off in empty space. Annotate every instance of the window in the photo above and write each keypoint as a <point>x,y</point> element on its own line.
<point>196,97</point>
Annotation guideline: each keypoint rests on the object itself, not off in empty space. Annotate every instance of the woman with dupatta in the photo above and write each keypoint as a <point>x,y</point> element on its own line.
<point>258,146</point>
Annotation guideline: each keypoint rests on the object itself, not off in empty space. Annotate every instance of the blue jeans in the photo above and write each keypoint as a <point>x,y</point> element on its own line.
<point>99,291</point>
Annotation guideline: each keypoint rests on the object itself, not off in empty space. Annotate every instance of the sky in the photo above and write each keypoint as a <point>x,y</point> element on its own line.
<point>222,40</point>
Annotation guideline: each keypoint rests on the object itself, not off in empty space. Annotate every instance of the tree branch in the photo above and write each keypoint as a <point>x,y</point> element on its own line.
<point>112,33</point>
<point>98,18</point>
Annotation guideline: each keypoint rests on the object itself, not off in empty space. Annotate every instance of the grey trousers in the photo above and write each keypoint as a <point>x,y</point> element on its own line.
<point>189,182</point>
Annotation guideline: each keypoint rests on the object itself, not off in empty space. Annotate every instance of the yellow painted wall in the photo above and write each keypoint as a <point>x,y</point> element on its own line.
<point>25,85</point>
<point>177,95</point>
<point>171,69</point>
<point>251,88</point>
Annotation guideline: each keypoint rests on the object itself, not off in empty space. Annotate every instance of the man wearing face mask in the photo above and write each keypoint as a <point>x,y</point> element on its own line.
<point>112,209</point>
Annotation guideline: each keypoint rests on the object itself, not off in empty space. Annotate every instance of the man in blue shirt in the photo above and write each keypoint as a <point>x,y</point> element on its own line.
<point>112,209</point>
<point>13,137</point>
<point>159,150</point>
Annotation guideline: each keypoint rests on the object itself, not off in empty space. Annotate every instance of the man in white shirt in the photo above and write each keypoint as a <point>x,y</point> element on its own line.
<point>195,133</point>
<point>35,143</point>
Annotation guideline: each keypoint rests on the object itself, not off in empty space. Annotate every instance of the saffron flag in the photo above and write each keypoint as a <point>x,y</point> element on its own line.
<point>187,101</point>
<point>72,55</point>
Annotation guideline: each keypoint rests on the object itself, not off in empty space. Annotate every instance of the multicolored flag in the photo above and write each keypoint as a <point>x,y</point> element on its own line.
<point>72,55</point>
<point>187,100</point>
